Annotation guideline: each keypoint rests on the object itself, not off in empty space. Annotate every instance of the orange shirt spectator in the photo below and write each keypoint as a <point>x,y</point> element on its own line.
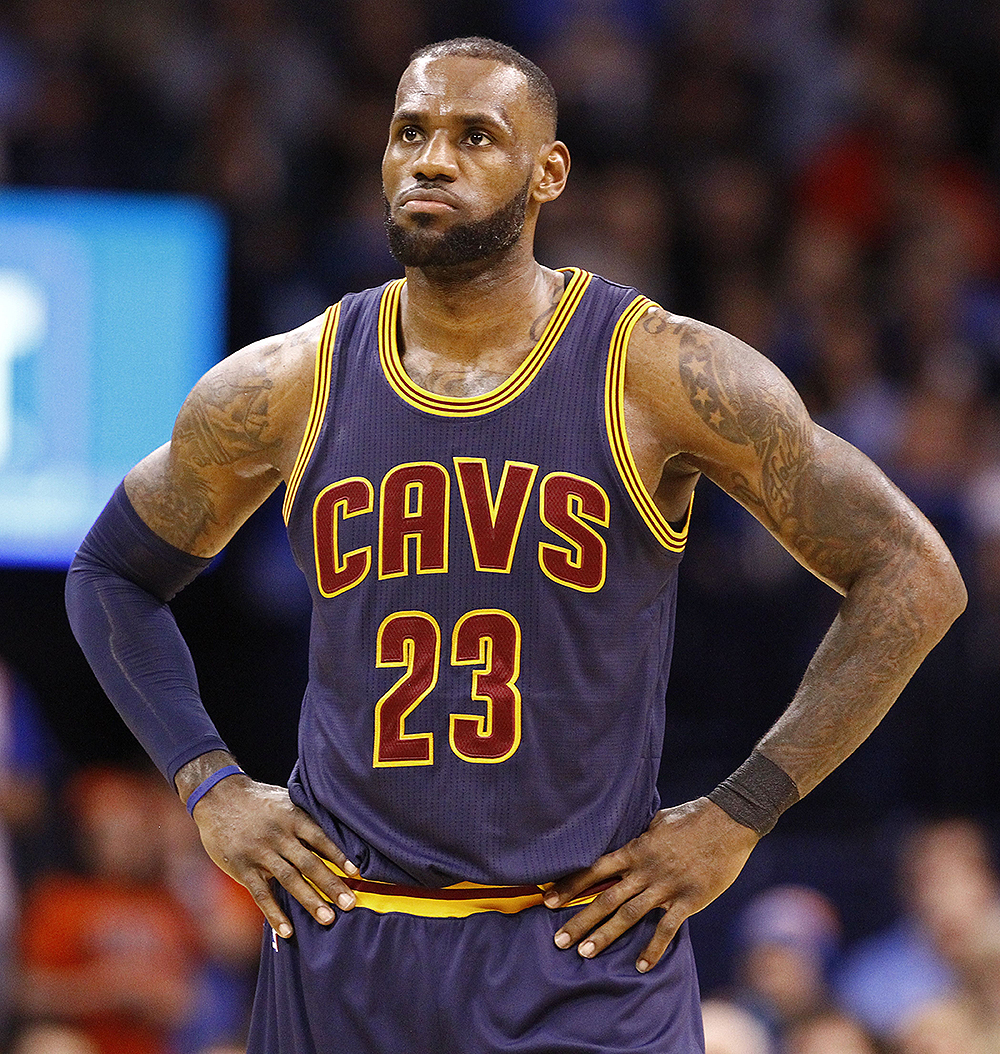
<point>111,951</point>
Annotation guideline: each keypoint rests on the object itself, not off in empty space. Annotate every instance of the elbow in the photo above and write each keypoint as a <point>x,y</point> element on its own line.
<point>74,595</point>
<point>957,593</point>
<point>944,590</point>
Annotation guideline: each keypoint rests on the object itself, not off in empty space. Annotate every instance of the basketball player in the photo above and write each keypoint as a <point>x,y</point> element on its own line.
<point>489,469</point>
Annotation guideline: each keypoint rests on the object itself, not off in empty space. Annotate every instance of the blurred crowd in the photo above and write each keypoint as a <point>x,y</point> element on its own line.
<point>819,177</point>
<point>118,935</point>
<point>929,983</point>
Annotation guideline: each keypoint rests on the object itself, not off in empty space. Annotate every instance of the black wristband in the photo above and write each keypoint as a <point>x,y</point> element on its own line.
<point>756,794</point>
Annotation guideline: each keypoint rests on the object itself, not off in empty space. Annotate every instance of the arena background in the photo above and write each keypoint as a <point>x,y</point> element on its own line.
<point>820,178</point>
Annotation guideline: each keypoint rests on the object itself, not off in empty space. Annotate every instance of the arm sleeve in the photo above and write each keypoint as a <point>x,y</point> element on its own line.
<point>116,599</point>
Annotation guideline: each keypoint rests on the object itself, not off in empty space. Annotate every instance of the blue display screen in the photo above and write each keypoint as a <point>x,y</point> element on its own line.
<point>111,307</point>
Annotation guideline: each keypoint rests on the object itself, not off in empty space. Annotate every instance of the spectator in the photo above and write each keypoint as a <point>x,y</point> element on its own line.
<point>110,951</point>
<point>787,936</point>
<point>47,1038</point>
<point>974,1009</point>
<point>829,1032</point>
<point>950,891</point>
<point>22,797</point>
<point>897,164</point>
<point>730,1029</point>
<point>940,1027</point>
<point>229,931</point>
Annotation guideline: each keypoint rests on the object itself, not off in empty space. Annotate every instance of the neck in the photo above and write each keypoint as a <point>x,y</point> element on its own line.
<point>473,310</point>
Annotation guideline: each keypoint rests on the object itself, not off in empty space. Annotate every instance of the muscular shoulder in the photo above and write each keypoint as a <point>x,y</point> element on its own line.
<point>235,439</point>
<point>704,392</point>
<point>252,404</point>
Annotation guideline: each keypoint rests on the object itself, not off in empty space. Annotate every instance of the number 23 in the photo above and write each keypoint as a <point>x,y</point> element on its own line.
<point>489,639</point>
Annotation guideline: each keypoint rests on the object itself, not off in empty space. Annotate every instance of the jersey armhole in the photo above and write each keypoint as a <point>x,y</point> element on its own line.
<point>317,409</point>
<point>671,536</point>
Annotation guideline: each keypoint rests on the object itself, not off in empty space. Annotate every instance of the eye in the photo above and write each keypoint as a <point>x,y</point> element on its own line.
<point>478,139</point>
<point>410,134</point>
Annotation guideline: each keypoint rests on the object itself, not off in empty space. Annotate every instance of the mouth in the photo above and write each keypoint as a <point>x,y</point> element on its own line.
<point>426,200</point>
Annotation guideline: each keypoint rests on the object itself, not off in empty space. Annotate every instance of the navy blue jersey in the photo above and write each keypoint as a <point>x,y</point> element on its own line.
<point>493,603</point>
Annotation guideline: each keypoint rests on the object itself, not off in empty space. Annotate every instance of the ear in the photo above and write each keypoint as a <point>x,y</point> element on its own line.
<point>553,168</point>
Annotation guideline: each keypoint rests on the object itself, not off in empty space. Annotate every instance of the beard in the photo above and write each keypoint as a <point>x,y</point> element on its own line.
<point>464,243</point>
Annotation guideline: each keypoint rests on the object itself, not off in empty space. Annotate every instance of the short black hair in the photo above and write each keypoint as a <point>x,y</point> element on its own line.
<point>539,85</point>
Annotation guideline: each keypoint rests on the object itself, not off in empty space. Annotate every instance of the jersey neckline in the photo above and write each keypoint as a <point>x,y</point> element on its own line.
<point>472,406</point>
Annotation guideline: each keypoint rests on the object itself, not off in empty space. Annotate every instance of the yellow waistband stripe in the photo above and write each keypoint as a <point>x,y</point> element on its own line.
<point>449,902</point>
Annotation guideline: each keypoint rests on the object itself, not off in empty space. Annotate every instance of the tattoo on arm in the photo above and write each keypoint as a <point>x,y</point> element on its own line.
<point>746,414</point>
<point>654,323</point>
<point>226,423</point>
<point>180,514</point>
<point>878,639</point>
<point>221,424</point>
<point>845,521</point>
<point>835,528</point>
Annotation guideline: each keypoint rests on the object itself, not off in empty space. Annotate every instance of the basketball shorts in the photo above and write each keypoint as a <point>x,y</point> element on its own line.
<point>466,970</point>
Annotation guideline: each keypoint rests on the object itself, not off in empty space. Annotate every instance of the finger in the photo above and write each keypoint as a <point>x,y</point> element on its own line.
<point>666,930</point>
<point>316,872</point>
<point>628,914</point>
<point>260,890</point>
<point>589,916</point>
<point>313,835</point>
<point>573,885</point>
<point>292,880</point>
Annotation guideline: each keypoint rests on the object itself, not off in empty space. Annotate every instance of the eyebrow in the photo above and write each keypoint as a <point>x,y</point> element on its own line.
<point>469,120</point>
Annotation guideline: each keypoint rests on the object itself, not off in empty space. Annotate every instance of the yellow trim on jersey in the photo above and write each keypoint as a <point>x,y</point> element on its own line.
<point>516,383</point>
<point>317,409</point>
<point>451,902</point>
<point>614,414</point>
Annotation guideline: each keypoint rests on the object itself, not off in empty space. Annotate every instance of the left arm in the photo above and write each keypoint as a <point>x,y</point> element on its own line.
<point>840,517</point>
<point>710,403</point>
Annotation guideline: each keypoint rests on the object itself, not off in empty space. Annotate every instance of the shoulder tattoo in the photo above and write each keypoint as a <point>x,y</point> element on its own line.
<point>221,424</point>
<point>653,321</point>
<point>836,517</point>
<point>746,414</point>
<point>226,422</point>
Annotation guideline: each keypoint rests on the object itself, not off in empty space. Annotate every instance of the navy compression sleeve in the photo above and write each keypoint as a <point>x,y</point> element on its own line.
<point>116,598</point>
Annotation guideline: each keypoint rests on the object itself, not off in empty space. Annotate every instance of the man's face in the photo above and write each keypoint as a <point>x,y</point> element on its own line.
<point>458,170</point>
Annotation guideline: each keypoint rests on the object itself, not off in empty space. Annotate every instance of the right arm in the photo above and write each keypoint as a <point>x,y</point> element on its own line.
<point>236,437</point>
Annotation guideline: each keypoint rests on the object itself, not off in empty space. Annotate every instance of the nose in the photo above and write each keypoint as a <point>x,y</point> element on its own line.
<point>437,159</point>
